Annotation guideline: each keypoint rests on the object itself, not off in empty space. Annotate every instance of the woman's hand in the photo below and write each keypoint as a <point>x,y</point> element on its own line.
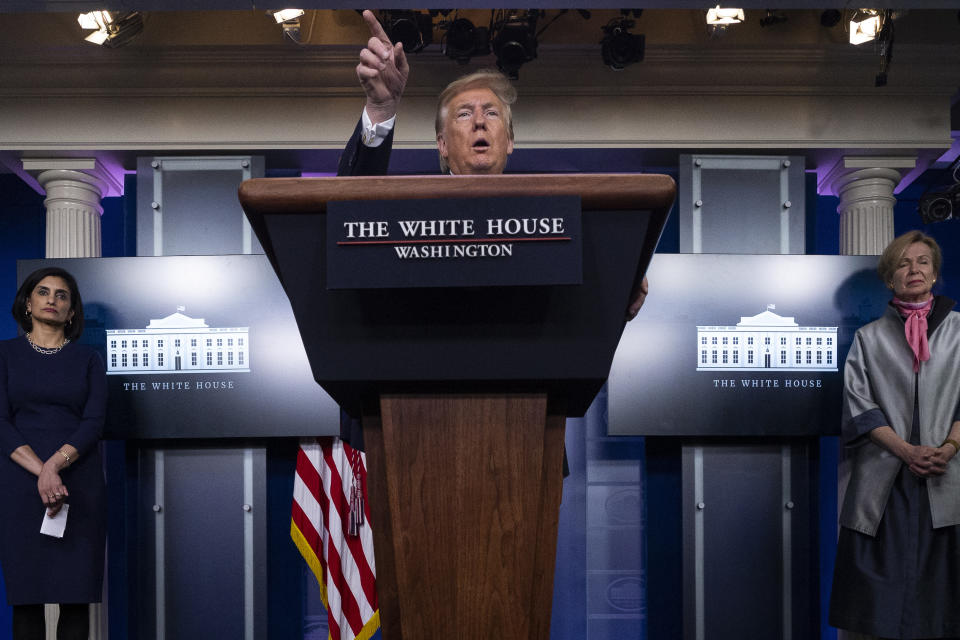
<point>944,453</point>
<point>925,461</point>
<point>922,461</point>
<point>51,488</point>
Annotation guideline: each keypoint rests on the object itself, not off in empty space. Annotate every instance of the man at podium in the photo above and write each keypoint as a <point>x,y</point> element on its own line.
<point>474,121</point>
<point>502,450</point>
<point>473,124</point>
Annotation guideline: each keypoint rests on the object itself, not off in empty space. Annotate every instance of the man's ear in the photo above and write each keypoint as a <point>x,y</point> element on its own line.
<point>442,146</point>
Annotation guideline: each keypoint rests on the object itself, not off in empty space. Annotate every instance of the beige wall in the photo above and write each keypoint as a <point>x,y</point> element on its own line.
<point>227,81</point>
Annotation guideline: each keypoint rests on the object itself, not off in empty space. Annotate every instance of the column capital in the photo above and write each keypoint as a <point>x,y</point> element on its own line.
<point>87,170</point>
<point>865,186</point>
<point>74,189</point>
<point>833,179</point>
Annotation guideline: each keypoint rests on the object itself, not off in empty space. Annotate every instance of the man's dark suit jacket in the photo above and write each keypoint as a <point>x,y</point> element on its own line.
<point>360,160</point>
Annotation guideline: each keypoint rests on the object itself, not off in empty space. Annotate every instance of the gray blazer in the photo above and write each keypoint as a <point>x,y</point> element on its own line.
<point>878,390</point>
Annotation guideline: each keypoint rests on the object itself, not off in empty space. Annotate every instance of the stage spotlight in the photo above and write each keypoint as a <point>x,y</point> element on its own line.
<point>285,15</point>
<point>112,28</point>
<point>515,42</point>
<point>721,15</point>
<point>462,41</point>
<point>95,20</point>
<point>772,18</point>
<point>865,25</point>
<point>289,19</point>
<point>619,47</point>
<point>413,28</point>
<point>830,18</point>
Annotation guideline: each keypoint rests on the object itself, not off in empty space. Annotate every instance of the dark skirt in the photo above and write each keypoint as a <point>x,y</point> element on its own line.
<point>41,569</point>
<point>905,581</point>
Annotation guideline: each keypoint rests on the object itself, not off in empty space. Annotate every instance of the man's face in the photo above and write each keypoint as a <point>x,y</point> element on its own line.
<point>474,138</point>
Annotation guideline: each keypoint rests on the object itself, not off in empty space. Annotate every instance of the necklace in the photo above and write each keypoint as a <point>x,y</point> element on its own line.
<point>44,350</point>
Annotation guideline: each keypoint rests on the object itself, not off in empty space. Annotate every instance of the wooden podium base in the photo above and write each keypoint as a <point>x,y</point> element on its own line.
<point>464,496</point>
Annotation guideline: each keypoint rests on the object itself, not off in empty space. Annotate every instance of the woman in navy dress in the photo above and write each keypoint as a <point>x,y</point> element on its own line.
<point>52,404</point>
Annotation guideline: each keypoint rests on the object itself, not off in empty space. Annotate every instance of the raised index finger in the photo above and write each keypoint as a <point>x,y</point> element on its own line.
<point>376,30</point>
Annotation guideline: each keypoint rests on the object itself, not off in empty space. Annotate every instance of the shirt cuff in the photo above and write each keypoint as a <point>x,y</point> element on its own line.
<point>373,135</point>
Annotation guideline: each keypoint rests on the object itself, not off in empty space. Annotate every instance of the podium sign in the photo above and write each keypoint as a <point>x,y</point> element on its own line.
<point>454,242</point>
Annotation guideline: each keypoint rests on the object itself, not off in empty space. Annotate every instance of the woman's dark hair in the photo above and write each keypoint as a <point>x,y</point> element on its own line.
<point>74,327</point>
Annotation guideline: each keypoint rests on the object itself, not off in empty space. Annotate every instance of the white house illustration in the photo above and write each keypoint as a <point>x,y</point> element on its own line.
<point>766,341</point>
<point>177,344</point>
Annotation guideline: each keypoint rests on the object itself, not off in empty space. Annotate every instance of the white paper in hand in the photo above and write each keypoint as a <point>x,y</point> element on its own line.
<point>54,526</point>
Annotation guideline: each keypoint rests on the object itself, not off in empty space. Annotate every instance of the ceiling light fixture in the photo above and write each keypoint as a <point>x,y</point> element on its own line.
<point>865,25</point>
<point>289,20</point>
<point>515,41</point>
<point>830,18</point>
<point>619,47</point>
<point>111,28</point>
<point>413,28</point>
<point>462,41</point>
<point>95,20</point>
<point>772,18</point>
<point>720,15</point>
<point>285,15</point>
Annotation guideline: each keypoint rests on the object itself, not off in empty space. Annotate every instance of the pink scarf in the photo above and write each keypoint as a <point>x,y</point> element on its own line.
<point>915,314</point>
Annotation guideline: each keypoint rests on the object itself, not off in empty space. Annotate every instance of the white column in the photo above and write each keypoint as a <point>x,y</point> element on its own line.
<point>73,213</point>
<point>74,188</point>
<point>866,210</point>
<point>865,187</point>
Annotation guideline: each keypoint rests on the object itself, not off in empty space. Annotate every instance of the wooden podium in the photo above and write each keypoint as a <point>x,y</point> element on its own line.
<point>463,391</point>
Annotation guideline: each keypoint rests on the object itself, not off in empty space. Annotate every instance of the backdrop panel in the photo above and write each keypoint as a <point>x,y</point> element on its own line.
<point>737,345</point>
<point>197,347</point>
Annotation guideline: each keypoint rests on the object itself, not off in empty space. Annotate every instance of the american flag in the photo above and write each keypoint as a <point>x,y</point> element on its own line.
<point>327,469</point>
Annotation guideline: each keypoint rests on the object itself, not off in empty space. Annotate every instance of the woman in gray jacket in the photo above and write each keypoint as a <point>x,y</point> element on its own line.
<point>897,573</point>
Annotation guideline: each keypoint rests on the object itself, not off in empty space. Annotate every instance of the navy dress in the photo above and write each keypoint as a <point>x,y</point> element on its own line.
<point>47,401</point>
